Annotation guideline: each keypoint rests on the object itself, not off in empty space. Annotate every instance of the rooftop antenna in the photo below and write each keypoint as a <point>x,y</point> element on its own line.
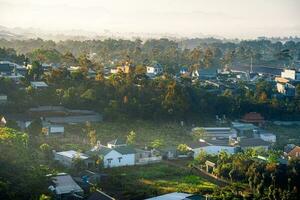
<point>251,66</point>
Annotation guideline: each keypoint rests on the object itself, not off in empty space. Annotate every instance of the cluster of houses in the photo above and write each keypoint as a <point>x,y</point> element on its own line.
<point>115,153</point>
<point>152,70</point>
<point>241,135</point>
<point>287,82</point>
<point>63,186</point>
<point>53,118</point>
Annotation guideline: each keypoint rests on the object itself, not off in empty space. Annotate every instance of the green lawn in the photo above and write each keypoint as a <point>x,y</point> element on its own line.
<point>146,131</point>
<point>140,182</point>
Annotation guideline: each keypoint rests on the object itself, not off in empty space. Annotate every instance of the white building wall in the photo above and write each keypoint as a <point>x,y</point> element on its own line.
<point>150,70</point>
<point>154,70</point>
<point>56,129</point>
<point>125,160</point>
<point>213,150</point>
<point>280,88</point>
<point>287,73</point>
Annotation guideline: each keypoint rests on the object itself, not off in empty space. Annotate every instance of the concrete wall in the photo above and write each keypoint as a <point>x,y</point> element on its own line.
<point>56,129</point>
<point>213,150</point>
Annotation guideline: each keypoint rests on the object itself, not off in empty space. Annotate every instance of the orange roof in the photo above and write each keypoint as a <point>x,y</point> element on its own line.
<point>281,80</point>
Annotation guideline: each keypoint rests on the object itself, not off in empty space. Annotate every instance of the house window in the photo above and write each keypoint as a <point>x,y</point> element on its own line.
<point>109,160</point>
<point>120,158</point>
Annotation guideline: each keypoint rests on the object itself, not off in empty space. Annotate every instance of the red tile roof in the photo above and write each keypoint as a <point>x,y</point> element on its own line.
<point>253,117</point>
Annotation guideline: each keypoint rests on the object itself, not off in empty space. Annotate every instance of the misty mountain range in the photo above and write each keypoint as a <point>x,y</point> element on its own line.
<point>18,33</point>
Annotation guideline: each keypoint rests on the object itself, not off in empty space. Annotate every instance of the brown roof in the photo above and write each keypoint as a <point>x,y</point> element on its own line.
<point>295,152</point>
<point>252,142</point>
<point>253,117</point>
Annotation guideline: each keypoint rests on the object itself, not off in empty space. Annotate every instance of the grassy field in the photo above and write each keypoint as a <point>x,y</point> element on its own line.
<point>146,131</point>
<point>285,134</point>
<point>140,182</point>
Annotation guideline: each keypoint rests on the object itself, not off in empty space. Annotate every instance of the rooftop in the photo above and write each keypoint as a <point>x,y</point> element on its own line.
<point>72,154</point>
<point>243,126</point>
<point>177,196</point>
<point>65,184</point>
<point>253,117</point>
<point>253,142</point>
<point>103,150</point>
<point>39,84</point>
<point>117,142</point>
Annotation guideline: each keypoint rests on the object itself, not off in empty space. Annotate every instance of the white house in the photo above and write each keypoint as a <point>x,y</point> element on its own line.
<point>115,154</point>
<point>116,143</point>
<point>291,74</point>
<point>53,128</point>
<point>66,158</point>
<point>38,84</point>
<point>211,147</point>
<point>154,69</point>
<point>3,98</point>
<point>268,137</point>
<point>286,89</point>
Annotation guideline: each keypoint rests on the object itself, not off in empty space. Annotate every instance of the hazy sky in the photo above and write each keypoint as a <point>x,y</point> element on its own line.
<point>229,18</point>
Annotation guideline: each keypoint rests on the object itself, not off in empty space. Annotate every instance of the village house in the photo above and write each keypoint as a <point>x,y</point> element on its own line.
<point>147,156</point>
<point>3,98</point>
<point>67,158</point>
<point>292,151</point>
<point>284,87</point>
<point>291,74</point>
<point>211,147</point>
<point>268,137</point>
<point>244,128</point>
<point>230,146</point>
<point>2,121</point>
<point>216,132</point>
<point>38,84</point>
<point>125,68</point>
<point>64,187</point>
<point>286,83</point>
<point>154,69</point>
<point>184,71</point>
<point>23,121</point>
<point>254,118</point>
<point>6,68</point>
<point>11,70</point>
<point>252,143</point>
<point>177,196</point>
<point>115,154</point>
<point>53,129</point>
